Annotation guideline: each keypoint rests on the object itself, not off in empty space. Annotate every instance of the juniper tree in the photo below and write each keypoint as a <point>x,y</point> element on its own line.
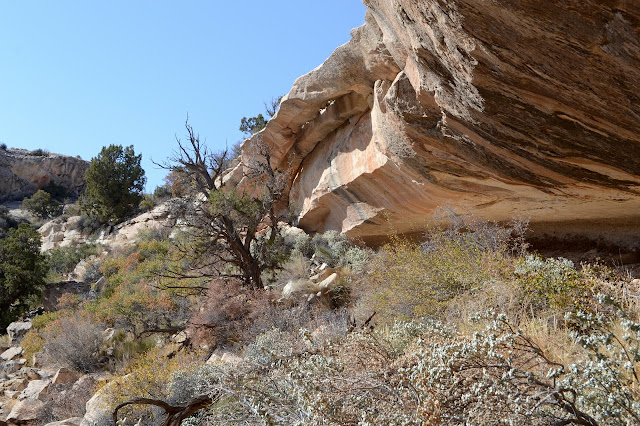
<point>22,272</point>
<point>229,232</point>
<point>115,181</point>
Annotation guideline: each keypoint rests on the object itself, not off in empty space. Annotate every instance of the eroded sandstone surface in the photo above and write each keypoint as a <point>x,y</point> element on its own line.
<point>501,108</point>
<point>22,173</point>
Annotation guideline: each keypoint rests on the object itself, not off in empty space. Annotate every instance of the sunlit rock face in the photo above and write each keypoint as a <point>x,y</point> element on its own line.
<point>500,108</point>
<point>22,173</point>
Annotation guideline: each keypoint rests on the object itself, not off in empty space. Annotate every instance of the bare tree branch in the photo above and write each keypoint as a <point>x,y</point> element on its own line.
<point>175,414</point>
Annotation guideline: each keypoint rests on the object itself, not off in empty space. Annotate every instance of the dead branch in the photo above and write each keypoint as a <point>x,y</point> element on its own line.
<point>175,414</point>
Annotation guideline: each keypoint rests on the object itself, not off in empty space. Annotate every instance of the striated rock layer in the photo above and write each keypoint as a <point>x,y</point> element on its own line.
<point>22,173</point>
<point>503,108</point>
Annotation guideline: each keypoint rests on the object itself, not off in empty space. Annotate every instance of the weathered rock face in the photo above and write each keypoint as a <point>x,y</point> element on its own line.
<point>502,108</point>
<point>22,174</point>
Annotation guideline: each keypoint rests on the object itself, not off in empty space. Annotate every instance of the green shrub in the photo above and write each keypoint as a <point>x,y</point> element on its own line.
<point>58,192</point>
<point>31,344</point>
<point>148,202</point>
<point>147,375</point>
<point>7,221</point>
<point>269,346</point>
<point>39,153</point>
<point>22,272</point>
<point>41,205</point>
<point>115,181</point>
<point>406,281</point>
<point>303,246</point>
<point>136,296</point>
<point>553,283</point>
<point>72,210</point>
<point>126,349</point>
<point>332,248</point>
<point>62,260</point>
<point>88,224</point>
<point>162,192</point>
<point>39,322</point>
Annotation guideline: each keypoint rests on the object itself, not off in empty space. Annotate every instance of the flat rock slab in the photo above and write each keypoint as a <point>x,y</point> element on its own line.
<point>65,376</point>
<point>35,389</point>
<point>26,411</point>
<point>11,353</point>
<point>73,421</point>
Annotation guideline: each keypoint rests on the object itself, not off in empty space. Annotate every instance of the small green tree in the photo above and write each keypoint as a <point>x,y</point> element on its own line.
<point>115,181</point>
<point>22,272</point>
<point>252,125</point>
<point>40,204</point>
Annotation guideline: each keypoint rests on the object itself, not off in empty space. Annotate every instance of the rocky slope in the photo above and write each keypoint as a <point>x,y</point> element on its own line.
<point>22,173</point>
<point>28,393</point>
<point>62,232</point>
<point>499,108</point>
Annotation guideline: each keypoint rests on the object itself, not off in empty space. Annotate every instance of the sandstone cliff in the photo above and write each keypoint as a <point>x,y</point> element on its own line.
<point>22,173</point>
<point>501,108</point>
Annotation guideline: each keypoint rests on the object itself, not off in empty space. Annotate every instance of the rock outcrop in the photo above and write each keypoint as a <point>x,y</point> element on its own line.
<point>498,108</point>
<point>62,232</point>
<point>23,172</point>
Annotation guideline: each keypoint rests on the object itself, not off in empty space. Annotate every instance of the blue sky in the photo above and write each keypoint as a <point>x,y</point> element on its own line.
<point>78,75</point>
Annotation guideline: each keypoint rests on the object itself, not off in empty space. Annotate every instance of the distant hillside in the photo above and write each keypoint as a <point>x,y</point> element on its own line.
<point>23,172</point>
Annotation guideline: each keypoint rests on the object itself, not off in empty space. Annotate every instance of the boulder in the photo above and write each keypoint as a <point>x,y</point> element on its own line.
<point>10,367</point>
<point>214,359</point>
<point>324,273</point>
<point>316,285</point>
<point>27,411</point>
<point>64,376</point>
<point>56,237</point>
<point>108,334</point>
<point>73,222</point>
<point>180,338</point>
<point>98,409</point>
<point>35,389</point>
<point>329,282</point>
<point>229,358</point>
<point>11,394</point>
<point>17,330</point>
<point>300,286</point>
<point>73,421</point>
<point>16,385</point>
<point>11,353</point>
<point>50,227</point>
<point>33,374</point>
<point>80,268</point>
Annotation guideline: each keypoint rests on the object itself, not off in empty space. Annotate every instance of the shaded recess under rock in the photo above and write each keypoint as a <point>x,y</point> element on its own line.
<point>498,108</point>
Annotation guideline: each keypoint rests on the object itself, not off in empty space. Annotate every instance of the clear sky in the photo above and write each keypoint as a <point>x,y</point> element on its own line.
<point>78,75</point>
